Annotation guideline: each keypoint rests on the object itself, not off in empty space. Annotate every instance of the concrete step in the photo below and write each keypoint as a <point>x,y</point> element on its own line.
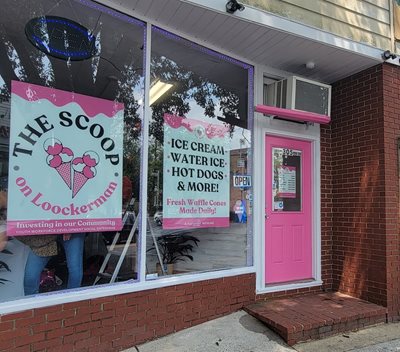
<point>316,316</point>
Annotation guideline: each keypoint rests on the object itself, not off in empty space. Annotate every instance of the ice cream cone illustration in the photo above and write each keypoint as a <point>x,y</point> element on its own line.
<point>59,158</point>
<point>84,169</point>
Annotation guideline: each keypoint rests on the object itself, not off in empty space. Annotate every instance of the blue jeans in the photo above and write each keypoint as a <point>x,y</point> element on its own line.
<point>74,254</point>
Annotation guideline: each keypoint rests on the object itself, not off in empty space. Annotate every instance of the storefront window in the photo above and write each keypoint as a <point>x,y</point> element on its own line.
<point>200,177</point>
<point>71,110</point>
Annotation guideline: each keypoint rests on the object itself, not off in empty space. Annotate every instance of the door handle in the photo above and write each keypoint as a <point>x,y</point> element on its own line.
<point>266,216</point>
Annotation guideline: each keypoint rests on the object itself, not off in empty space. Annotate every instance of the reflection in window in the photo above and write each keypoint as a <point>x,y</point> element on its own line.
<point>200,139</point>
<point>111,78</point>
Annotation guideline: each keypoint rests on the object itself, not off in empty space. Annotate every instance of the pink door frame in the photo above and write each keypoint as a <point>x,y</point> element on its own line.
<point>289,235</point>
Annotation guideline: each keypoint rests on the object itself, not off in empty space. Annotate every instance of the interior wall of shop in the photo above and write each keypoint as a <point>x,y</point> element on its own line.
<point>365,127</point>
<point>118,322</point>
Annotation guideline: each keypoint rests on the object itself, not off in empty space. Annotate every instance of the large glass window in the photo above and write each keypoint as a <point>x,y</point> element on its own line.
<point>200,177</point>
<point>71,116</point>
<point>71,110</point>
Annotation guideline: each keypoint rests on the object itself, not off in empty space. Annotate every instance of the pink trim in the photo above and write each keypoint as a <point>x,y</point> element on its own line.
<point>92,106</point>
<point>295,115</point>
<point>190,223</point>
<point>33,227</point>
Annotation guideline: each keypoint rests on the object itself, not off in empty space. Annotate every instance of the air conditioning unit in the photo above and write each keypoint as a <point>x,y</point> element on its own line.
<point>298,93</point>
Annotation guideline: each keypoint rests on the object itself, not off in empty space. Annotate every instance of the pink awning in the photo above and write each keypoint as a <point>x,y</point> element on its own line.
<point>295,115</point>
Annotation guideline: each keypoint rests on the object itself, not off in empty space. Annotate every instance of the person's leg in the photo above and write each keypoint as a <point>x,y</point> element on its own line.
<point>74,254</point>
<point>33,269</point>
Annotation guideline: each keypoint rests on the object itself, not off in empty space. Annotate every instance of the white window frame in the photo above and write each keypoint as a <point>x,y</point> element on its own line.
<point>130,286</point>
<point>264,125</point>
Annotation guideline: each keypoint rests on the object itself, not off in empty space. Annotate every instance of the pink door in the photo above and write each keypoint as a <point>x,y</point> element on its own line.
<point>288,210</point>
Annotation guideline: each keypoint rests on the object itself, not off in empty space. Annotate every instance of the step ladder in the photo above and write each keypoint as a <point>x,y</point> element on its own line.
<point>113,251</point>
<point>150,227</point>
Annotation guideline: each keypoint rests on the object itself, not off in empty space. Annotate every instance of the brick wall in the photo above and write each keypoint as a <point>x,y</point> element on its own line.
<point>365,128</point>
<point>326,207</point>
<point>118,322</point>
<point>360,240</point>
<point>288,293</point>
<point>358,186</point>
<point>391,108</point>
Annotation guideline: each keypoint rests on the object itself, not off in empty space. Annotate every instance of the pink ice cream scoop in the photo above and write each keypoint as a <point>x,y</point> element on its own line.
<point>59,158</point>
<point>84,169</point>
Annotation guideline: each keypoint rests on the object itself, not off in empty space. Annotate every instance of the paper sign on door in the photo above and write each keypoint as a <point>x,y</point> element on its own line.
<point>287,182</point>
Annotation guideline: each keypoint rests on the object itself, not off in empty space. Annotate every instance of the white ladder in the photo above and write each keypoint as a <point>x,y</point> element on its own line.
<point>112,251</point>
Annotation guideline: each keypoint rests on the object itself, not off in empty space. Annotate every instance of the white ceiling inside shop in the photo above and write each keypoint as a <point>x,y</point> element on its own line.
<point>257,43</point>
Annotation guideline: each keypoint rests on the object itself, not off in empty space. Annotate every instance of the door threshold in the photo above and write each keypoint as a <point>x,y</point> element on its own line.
<point>286,286</point>
<point>289,282</point>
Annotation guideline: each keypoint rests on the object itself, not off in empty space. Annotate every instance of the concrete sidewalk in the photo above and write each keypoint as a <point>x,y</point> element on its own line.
<point>240,332</point>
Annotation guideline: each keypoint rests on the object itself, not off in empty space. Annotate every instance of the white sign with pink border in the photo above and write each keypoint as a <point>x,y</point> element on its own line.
<point>65,165</point>
<point>196,174</point>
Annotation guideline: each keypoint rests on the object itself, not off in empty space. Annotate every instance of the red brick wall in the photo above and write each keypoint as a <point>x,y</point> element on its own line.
<point>365,128</point>
<point>359,266</point>
<point>118,322</point>
<point>289,293</point>
<point>326,207</point>
<point>391,108</point>
<point>360,240</point>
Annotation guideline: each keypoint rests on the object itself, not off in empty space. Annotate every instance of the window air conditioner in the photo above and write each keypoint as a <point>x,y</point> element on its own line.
<point>300,94</point>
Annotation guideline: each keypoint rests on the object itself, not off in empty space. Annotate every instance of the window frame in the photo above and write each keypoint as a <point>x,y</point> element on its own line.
<point>92,292</point>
